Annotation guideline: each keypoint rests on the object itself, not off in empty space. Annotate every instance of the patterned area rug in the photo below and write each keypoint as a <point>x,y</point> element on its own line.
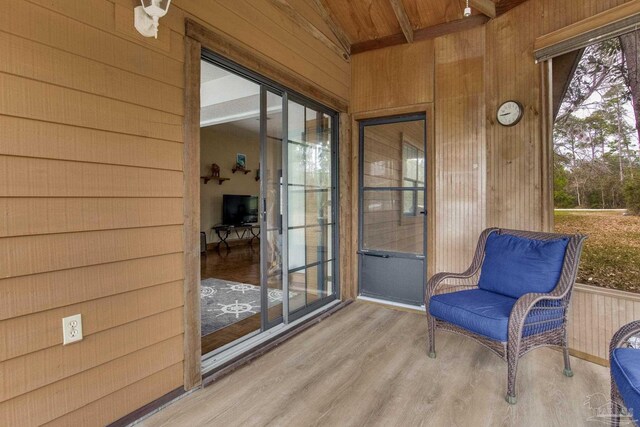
<point>224,302</point>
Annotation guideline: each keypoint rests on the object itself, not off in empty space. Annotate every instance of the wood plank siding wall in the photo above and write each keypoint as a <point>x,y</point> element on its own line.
<point>91,194</point>
<point>460,149</point>
<point>485,174</point>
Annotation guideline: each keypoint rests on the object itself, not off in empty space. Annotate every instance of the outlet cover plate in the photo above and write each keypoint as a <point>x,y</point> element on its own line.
<point>71,329</point>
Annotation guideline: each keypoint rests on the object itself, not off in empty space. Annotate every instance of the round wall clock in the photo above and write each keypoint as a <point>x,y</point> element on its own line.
<point>510,113</point>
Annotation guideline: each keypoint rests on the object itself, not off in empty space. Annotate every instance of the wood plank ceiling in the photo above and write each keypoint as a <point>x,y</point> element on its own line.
<point>361,25</point>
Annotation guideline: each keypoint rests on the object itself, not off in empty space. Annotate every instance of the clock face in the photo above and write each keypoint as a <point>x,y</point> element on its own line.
<point>509,113</point>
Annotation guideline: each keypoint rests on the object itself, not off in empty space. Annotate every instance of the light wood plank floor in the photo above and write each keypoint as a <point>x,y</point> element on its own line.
<point>367,365</point>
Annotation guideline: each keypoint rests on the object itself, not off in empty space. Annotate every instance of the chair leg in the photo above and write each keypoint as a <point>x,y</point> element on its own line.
<point>565,351</point>
<point>512,370</point>
<point>432,336</point>
<point>513,348</point>
<point>615,407</point>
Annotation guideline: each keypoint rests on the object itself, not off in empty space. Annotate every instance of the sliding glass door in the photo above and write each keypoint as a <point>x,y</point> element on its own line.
<point>296,209</point>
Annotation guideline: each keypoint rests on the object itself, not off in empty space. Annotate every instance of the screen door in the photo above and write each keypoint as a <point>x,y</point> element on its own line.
<point>392,224</point>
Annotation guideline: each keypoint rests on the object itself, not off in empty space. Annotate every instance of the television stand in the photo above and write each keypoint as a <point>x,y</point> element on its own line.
<point>242,231</point>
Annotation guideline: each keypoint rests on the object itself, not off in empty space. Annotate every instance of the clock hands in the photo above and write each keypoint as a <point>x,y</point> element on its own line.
<point>509,113</point>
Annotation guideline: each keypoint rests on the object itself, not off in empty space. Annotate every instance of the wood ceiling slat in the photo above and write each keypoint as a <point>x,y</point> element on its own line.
<point>425,14</point>
<point>371,24</point>
<point>365,19</point>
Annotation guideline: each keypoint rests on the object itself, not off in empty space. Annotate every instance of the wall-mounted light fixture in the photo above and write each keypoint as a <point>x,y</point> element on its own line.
<point>146,17</point>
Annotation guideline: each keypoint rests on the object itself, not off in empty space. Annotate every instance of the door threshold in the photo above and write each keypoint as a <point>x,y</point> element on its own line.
<point>228,354</point>
<point>229,345</point>
<point>393,304</point>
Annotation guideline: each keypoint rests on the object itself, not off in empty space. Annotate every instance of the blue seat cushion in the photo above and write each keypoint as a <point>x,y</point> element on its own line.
<point>625,370</point>
<point>487,313</point>
<point>514,266</point>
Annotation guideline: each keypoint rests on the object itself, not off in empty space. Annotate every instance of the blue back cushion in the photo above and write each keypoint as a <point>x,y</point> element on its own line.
<point>514,266</point>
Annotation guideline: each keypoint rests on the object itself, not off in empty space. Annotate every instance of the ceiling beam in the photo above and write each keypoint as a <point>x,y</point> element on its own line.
<point>422,34</point>
<point>287,9</point>
<point>486,7</point>
<point>503,6</point>
<point>403,19</point>
<point>329,19</point>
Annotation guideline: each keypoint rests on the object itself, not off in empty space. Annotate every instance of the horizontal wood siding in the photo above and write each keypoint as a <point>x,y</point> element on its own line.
<point>265,30</point>
<point>91,194</point>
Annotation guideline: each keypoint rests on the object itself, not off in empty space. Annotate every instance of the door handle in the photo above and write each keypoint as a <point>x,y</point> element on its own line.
<point>264,209</point>
<point>423,212</point>
<point>375,255</point>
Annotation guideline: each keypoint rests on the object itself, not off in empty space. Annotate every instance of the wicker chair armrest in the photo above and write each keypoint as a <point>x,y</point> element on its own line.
<point>465,280</point>
<point>623,334</point>
<point>523,307</point>
<point>437,281</point>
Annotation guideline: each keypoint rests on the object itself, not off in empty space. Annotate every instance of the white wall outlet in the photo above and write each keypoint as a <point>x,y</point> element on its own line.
<point>71,329</point>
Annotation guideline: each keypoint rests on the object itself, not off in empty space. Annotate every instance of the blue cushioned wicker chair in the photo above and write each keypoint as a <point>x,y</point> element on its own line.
<point>625,373</point>
<point>513,298</point>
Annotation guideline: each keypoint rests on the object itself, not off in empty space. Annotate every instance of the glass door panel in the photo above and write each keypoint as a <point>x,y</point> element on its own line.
<point>385,225</point>
<point>271,175</point>
<point>231,305</point>
<point>310,208</point>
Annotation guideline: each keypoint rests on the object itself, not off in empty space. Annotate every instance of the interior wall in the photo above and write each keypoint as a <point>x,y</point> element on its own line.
<point>91,161</point>
<point>220,144</point>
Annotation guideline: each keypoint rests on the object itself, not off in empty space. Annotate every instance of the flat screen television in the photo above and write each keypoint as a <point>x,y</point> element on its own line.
<point>239,209</point>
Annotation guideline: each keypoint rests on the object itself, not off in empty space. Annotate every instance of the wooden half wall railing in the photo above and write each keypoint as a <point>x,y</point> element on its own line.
<point>594,316</point>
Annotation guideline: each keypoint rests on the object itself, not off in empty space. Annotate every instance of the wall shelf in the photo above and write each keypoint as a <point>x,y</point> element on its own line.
<point>215,175</point>
<point>214,178</point>
<point>237,168</point>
